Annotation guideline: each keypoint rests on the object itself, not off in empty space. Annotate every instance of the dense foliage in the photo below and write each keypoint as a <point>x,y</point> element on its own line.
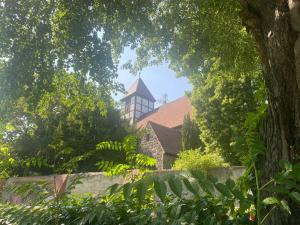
<point>198,160</point>
<point>206,41</point>
<point>179,200</point>
<point>187,198</point>
<point>223,102</point>
<point>58,64</point>
<point>66,125</point>
<point>132,159</point>
<point>56,79</point>
<point>54,38</point>
<point>189,134</point>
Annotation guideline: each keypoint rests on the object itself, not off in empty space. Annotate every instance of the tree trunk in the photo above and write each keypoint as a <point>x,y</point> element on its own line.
<point>269,22</point>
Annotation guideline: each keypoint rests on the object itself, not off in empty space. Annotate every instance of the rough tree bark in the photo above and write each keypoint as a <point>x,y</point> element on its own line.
<point>269,22</point>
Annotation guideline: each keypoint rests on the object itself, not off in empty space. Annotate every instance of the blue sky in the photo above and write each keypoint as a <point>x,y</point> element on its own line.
<point>159,79</point>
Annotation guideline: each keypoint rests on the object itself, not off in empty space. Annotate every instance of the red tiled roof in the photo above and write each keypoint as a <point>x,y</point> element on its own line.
<point>169,115</point>
<point>169,138</point>
<point>139,88</point>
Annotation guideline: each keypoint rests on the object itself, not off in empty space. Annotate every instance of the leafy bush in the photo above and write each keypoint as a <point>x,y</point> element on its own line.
<point>178,199</point>
<point>7,162</point>
<point>132,159</point>
<point>190,134</point>
<point>195,159</point>
<point>192,198</point>
<point>70,118</point>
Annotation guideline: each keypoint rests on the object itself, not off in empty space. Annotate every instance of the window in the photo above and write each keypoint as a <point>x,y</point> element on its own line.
<point>151,105</point>
<point>139,107</point>
<point>132,107</point>
<point>145,102</point>
<point>144,109</point>
<point>138,114</point>
<point>132,100</point>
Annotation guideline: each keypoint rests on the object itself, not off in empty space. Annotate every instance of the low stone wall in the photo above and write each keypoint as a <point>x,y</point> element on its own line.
<point>97,183</point>
<point>15,181</point>
<point>2,184</point>
<point>224,174</point>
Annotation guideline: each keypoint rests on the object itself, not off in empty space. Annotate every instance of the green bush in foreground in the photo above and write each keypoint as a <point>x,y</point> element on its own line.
<point>172,199</point>
<point>197,160</point>
<point>192,198</point>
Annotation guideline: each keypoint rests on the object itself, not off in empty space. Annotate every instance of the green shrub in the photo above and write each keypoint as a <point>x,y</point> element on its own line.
<point>135,203</point>
<point>132,158</point>
<point>195,159</point>
<point>188,198</point>
<point>190,134</point>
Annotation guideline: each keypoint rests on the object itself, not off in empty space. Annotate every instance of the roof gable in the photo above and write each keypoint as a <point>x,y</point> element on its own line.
<point>169,138</point>
<point>139,88</point>
<point>169,115</point>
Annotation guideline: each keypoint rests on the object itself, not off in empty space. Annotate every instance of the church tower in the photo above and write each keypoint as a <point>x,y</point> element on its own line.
<point>137,101</point>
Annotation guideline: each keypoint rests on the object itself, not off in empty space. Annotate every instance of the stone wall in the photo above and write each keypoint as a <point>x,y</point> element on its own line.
<point>150,146</point>
<point>97,183</point>
<point>2,184</point>
<point>12,182</point>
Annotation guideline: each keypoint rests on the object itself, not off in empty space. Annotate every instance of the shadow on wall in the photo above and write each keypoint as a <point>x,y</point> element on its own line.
<point>95,183</point>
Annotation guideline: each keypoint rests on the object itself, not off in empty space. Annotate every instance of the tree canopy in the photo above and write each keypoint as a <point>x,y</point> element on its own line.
<point>57,76</point>
<point>207,42</point>
<point>60,59</point>
<point>222,46</point>
<point>190,134</point>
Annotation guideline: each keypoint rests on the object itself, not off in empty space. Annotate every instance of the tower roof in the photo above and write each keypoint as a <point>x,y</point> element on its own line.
<point>139,88</point>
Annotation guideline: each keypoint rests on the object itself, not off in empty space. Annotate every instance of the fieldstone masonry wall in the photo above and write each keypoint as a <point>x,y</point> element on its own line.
<point>150,146</point>
<point>97,183</point>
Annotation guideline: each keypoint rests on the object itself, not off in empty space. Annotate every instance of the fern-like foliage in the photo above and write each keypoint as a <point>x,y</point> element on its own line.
<point>188,198</point>
<point>191,198</point>
<point>254,140</point>
<point>133,159</point>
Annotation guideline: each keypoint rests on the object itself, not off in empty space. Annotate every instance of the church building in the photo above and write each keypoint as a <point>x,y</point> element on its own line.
<point>162,125</point>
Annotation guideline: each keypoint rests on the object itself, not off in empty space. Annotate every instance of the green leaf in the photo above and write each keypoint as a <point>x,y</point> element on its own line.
<point>238,194</point>
<point>141,189</point>
<point>127,190</point>
<point>286,165</point>
<point>113,189</point>
<point>295,196</point>
<point>230,184</point>
<point>296,172</point>
<point>197,175</point>
<point>175,213</point>
<point>284,205</point>
<point>175,186</point>
<point>206,186</point>
<point>270,201</point>
<point>160,189</point>
<point>223,189</point>
<point>212,179</point>
<point>193,188</point>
